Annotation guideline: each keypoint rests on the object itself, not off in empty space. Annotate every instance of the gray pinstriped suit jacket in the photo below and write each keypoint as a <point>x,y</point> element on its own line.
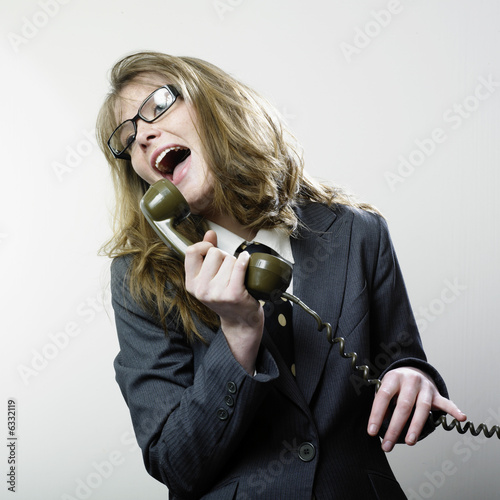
<point>202,444</point>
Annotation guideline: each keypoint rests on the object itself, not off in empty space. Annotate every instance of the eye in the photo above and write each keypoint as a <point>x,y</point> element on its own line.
<point>159,108</point>
<point>127,137</point>
<point>126,134</point>
<point>162,101</point>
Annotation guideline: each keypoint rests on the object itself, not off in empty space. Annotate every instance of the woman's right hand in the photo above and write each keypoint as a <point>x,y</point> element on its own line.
<point>217,279</point>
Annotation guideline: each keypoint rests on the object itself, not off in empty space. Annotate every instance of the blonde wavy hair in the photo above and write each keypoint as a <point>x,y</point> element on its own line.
<point>255,162</point>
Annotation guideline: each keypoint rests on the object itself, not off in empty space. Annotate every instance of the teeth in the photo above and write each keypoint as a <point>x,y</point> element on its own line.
<point>164,153</point>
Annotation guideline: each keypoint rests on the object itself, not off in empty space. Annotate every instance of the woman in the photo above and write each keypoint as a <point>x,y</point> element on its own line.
<point>221,405</point>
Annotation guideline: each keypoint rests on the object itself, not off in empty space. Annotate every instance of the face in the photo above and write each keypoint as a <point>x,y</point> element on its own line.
<point>170,147</point>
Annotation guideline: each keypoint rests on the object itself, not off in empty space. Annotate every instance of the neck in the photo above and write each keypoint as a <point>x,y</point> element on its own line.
<point>231,224</point>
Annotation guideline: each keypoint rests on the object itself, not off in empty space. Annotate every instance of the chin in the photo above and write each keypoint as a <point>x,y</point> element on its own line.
<point>202,209</point>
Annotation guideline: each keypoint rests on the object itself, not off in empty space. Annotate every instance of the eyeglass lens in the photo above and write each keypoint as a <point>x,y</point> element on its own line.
<point>155,105</point>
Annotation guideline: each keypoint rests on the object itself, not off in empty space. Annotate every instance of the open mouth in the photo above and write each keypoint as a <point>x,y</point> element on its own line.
<point>169,159</point>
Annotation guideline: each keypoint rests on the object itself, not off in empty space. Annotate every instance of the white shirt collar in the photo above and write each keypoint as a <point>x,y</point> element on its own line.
<point>229,242</point>
<point>279,242</point>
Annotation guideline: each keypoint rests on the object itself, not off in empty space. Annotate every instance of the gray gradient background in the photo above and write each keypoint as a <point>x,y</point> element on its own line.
<point>354,118</point>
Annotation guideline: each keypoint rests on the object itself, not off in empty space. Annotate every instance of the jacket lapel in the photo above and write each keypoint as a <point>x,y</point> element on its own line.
<point>321,252</point>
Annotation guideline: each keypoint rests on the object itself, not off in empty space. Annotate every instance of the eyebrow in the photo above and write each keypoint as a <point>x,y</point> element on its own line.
<point>119,107</point>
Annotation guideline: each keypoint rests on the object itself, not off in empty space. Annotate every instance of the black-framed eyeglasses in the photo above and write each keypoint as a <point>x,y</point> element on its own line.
<point>157,103</point>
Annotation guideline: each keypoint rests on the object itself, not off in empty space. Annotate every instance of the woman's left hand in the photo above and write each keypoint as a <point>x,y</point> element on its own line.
<point>410,388</point>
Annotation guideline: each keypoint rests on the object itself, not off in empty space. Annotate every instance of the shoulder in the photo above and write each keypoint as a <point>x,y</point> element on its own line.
<point>370,235</point>
<point>368,225</point>
<point>120,265</point>
<point>318,217</point>
<point>363,218</point>
<point>120,269</point>
<point>120,283</point>
<point>365,233</point>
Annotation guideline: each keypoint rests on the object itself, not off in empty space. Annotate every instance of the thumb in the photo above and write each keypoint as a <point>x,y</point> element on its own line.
<point>211,237</point>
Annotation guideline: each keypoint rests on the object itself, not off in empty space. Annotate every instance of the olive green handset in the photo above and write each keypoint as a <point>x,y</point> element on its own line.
<point>268,277</point>
<point>164,207</point>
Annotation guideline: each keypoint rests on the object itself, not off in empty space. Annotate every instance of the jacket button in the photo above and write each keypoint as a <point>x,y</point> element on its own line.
<point>229,401</point>
<point>231,387</point>
<point>307,452</point>
<point>222,414</point>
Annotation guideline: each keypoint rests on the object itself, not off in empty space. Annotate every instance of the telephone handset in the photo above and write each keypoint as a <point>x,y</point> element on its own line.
<point>163,205</point>
<point>268,276</point>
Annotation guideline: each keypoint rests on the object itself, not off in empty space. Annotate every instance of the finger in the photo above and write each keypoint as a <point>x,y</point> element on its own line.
<point>237,280</point>
<point>211,237</point>
<point>426,402</point>
<point>381,403</point>
<point>404,406</point>
<point>441,403</point>
<point>195,255</point>
<point>213,266</point>
<point>423,406</point>
<point>220,267</point>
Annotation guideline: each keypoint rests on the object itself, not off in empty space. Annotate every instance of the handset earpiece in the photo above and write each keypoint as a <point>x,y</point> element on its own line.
<point>268,275</point>
<point>163,205</point>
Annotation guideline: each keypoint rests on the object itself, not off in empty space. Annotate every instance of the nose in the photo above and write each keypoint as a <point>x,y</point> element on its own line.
<point>146,134</point>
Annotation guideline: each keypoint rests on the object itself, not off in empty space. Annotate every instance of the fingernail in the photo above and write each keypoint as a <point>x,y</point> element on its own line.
<point>387,446</point>
<point>244,256</point>
<point>372,429</point>
<point>413,438</point>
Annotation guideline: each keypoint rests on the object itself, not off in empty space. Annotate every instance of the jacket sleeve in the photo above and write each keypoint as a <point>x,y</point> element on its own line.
<point>187,424</point>
<point>395,333</point>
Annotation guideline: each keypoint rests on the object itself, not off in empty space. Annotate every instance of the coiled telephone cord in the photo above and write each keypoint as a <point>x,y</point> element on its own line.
<point>454,424</point>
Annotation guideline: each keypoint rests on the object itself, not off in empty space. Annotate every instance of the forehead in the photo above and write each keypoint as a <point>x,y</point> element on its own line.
<point>133,95</point>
